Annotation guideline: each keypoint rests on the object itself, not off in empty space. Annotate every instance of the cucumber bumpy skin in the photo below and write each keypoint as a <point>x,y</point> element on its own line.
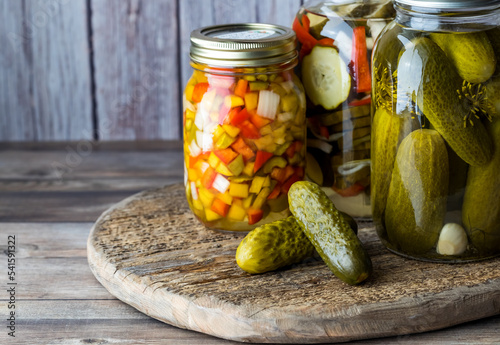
<point>273,245</point>
<point>425,73</point>
<point>416,203</point>
<point>481,206</point>
<point>329,232</point>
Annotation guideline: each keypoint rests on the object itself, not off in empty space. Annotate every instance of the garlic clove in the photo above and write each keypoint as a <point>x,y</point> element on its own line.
<point>452,240</point>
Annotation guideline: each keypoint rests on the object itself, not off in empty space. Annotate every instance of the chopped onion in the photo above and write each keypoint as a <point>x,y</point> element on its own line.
<point>221,183</point>
<point>194,191</point>
<point>204,140</point>
<point>288,85</point>
<point>194,150</point>
<point>268,104</point>
<point>285,117</point>
<point>352,167</point>
<point>319,144</point>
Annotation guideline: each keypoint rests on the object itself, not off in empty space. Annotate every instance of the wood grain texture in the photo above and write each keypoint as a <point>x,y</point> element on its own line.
<point>45,69</point>
<point>136,69</point>
<point>150,252</point>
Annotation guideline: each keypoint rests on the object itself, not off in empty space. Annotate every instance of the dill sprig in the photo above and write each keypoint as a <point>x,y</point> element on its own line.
<point>475,96</point>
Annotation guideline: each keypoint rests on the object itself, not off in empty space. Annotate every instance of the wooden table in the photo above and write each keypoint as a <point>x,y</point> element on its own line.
<point>50,195</point>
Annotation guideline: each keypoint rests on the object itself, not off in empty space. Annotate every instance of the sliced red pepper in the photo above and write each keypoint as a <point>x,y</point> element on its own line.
<point>303,36</point>
<point>220,207</point>
<point>208,177</point>
<point>248,130</point>
<point>254,215</point>
<point>241,88</point>
<point>365,101</point>
<point>198,92</point>
<point>242,148</point>
<point>360,60</point>
<point>238,116</point>
<point>226,155</point>
<point>275,192</point>
<point>261,158</point>
<point>328,42</point>
<point>323,130</point>
<point>353,190</point>
<point>288,183</point>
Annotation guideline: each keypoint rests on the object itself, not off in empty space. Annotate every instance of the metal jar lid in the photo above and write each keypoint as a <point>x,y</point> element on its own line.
<point>452,5</point>
<point>238,45</point>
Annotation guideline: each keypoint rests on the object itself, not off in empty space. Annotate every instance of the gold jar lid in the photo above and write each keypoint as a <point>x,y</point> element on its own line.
<point>243,45</point>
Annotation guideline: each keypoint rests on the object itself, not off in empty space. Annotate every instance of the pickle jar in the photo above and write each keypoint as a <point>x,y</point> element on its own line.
<point>436,130</point>
<point>244,125</point>
<point>335,41</point>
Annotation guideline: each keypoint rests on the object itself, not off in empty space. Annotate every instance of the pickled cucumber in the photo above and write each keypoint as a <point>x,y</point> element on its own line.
<point>425,74</point>
<point>481,207</point>
<point>493,96</point>
<point>325,77</point>
<point>273,245</point>
<point>416,202</point>
<point>386,130</point>
<point>471,53</point>
<point>494,36</point>
<point>329,232</point>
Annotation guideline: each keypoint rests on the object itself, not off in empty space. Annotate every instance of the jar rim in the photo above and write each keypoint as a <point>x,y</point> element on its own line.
<point>452,5</point>
<point>243,44</point>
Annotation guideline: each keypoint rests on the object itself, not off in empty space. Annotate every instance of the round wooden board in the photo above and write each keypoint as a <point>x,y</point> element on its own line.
<point>150,252</point>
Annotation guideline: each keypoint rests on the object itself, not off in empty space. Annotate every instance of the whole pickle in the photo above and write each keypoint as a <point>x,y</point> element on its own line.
<point>416,203</point>
<point>471,53</point>
<point>481,207</point>
<point>426,75</point>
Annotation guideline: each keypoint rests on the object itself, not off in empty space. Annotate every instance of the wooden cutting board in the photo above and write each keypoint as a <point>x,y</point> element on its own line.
<point>150,252</point>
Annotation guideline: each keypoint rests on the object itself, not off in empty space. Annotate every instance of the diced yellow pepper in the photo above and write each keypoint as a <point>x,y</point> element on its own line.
<point>247,202</point>
<point>197,204</point>
<point>236,166</point>
<point>236,213</point>
<point>263,143</point>
<point>206,197</point>
<point>239,190</point>
<point>267,181</point>
<point>218,131</point>
<point>267,129</point>
<point>226,198</point>
<point>189,92</point>
<point>261,198</point>
<point>213,160</point>
<point>193,175</point>
<point>251,100</point>
<point>231,130</point>
<point>231,101</point>
<point>224,141</point>
<point>258,85</point>
<point>248,169</point>
<point>211,215</point>
<point>257,183</point>
<point>190,114</point>
<point>222,169</point>
<point>189,124</point>
<point>289,102</point>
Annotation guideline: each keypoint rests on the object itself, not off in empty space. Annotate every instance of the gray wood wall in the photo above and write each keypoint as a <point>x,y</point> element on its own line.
<point>106,69</point>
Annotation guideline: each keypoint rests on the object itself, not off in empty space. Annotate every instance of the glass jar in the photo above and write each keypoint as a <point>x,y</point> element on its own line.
<point>436,130</point>
<point>335,43</point>
<point>244,125</point>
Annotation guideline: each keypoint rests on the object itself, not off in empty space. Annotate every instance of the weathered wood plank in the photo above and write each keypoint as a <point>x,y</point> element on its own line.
<point>45,62</point>
<point>136,69</point>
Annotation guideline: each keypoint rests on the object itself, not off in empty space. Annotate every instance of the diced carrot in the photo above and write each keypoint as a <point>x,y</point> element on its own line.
<point>254,215</point>
<point>226,155</point>
<point>360,60</point>
<point>220,207</point>
<point>261,158</point>
<point>242,148</point>
<point>241,88</point>
<point>208,177</point>
<point>248,130</point>
<point>275,192</point>
<point>198,92</point>
<point>259,121</point>
<point>238,116</point>
<point>286,186</point>
<point>353,190</point>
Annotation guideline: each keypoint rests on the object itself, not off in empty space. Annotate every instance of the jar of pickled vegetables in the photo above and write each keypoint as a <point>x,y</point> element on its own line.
<point>335,44</point>
<point>436,130</point>
<point>244,125</point>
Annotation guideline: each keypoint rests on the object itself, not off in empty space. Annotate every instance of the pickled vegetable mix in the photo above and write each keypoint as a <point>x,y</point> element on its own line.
<point>244,138</point>
<point>335,44</point>
<point>435,173</point>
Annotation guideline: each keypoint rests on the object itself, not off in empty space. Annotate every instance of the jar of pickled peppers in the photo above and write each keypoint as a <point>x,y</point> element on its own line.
<point>244,125</point>
<point>436,130</point>
<point>335,43</point>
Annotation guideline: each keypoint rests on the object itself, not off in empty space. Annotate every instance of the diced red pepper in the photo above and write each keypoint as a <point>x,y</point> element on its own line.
<point>229,114</point>
<point>261,158</point>
<point>299,171</point>
<point>286,186</point>
<point>353,190</point>
<point>208,177</point>
<point>323,130</point>
<point>259,121</point>
<point>294,147</point>
<point>241,88</point>
<point>278,174</point>
<point>365,101</point>
<point>328,42</point>
<point>360,60</point>
<point>220,207</point>
<point>238,116</point>
<point>248,130</point>
<point>226,155</point>
<point>254,215</point>
<point>242,148</point>
<point>198,92</point>
<point>275,192</point>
